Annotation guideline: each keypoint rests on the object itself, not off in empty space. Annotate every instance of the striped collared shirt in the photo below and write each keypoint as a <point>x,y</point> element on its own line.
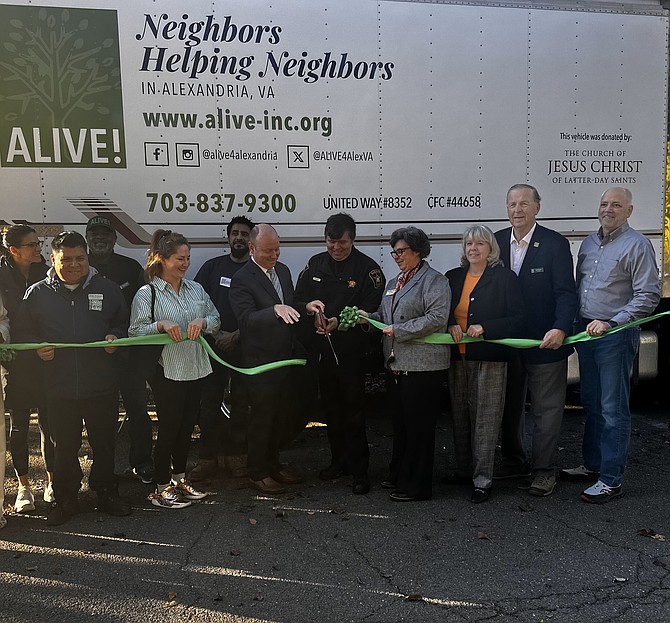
<point>181,361</point>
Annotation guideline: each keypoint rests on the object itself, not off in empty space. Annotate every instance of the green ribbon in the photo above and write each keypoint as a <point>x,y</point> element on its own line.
<point>157,339</point>
<point>445,338</point>
<point>6,350</point>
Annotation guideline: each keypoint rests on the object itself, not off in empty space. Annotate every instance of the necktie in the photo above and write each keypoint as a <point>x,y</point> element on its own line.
<point>275,283</point>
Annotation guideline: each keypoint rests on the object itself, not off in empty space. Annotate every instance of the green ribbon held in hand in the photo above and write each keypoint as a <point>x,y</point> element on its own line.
<point>445,338</point>
<point>348,318</point>
<point>8,351</point>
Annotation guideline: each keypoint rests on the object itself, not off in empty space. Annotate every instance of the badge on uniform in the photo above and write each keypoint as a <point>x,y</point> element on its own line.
<point>225,282</point>
<point>95,302</point>
<point>351,283</point>
<point>377,278</point>
<point>536,270</point>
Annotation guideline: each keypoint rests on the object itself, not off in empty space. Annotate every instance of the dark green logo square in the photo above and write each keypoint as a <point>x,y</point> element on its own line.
<point>60,88</point>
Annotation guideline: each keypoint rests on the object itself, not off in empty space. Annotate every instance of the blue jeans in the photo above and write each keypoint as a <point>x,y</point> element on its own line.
<point>605,366</point>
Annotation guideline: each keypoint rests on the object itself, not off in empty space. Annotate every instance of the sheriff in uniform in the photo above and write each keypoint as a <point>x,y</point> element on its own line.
<point>339,277</point>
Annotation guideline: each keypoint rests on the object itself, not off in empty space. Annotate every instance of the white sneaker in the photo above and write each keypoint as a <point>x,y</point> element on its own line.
<point>600,493</point>
<point>578,473</point>
<point>25,502</point>
<point>49,496</point>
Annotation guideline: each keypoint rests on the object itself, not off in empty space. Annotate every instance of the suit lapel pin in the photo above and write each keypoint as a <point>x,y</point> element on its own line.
<point>536,244</point>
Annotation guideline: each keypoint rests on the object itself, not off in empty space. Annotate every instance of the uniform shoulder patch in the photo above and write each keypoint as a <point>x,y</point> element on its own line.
<point>377,278</point>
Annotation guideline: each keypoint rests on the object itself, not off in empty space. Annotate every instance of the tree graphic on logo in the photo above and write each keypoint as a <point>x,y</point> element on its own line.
<point>59,68</point>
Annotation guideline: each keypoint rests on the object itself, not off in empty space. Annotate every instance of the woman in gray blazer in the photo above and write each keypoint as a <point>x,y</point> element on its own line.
<point>415,304</point>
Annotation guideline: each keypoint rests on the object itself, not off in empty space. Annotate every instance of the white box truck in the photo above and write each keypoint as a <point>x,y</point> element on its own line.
<point>161,113</point>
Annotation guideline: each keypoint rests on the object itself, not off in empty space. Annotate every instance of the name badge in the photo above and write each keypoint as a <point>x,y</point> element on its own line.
<point>390,292</point>
<point>536,270</point>
<point>95,302</point>
<point>124,285</point>
<point>225,282</point>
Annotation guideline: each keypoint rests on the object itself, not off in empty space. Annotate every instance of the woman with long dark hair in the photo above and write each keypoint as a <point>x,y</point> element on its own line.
<point>21,265</point>
<point>171,304</point>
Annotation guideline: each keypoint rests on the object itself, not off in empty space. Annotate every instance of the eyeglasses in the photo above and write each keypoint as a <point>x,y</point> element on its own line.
<point>32,245</point>
<point>399,252</point>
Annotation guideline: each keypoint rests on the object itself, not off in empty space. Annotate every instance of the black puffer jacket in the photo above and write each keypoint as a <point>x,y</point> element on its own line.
<point>50,312</point>
<point>24,381</point>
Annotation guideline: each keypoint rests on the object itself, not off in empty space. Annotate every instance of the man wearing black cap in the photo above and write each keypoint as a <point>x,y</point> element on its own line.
<point>129,276</point>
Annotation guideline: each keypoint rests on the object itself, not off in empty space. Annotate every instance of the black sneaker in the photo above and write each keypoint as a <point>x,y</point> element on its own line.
<point>61,512</point>
<point>145,474</point>
<point>109,502</point>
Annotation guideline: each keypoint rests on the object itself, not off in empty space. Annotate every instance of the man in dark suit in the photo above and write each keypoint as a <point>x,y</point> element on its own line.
<point>262,299</point>
<point>543,261</point>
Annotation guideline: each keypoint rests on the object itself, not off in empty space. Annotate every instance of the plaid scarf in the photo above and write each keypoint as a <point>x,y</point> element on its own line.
<point>405,277</point>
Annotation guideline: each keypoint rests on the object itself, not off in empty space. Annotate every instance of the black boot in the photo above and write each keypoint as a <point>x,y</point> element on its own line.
<point>109,502</point>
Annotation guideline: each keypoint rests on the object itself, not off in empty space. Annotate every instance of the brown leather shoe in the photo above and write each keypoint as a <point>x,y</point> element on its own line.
<point>287,477</point>
<point>236,465</point>
<point>267,485</point>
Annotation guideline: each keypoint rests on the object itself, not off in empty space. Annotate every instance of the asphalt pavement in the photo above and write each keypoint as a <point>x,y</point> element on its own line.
<point>319,553</point>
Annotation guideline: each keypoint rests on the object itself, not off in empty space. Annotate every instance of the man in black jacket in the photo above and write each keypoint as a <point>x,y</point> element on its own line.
<point>129,276</point>
<point>76,305</point>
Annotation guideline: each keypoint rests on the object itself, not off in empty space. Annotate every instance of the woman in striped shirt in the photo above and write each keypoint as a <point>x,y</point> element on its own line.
<point>176,306</point>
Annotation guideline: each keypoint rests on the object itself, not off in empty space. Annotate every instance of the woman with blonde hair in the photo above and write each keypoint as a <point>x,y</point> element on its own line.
<point>172,304</point>
<point>486,302</point>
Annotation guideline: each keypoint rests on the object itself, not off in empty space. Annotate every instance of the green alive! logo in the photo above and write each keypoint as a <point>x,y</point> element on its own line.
<point>60,88</point>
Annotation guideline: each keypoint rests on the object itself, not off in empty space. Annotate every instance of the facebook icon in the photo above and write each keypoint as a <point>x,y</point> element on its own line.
<point>156,155</point>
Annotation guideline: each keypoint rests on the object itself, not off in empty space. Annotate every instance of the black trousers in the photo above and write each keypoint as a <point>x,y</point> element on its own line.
<point>18,439</point>
<point>268,396</point>
<point>100,415</point>
<point>177,404</point>
<point>134,393</point>
<point>414,400</point>
<point>342,394</point>
<point>216,430</point>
